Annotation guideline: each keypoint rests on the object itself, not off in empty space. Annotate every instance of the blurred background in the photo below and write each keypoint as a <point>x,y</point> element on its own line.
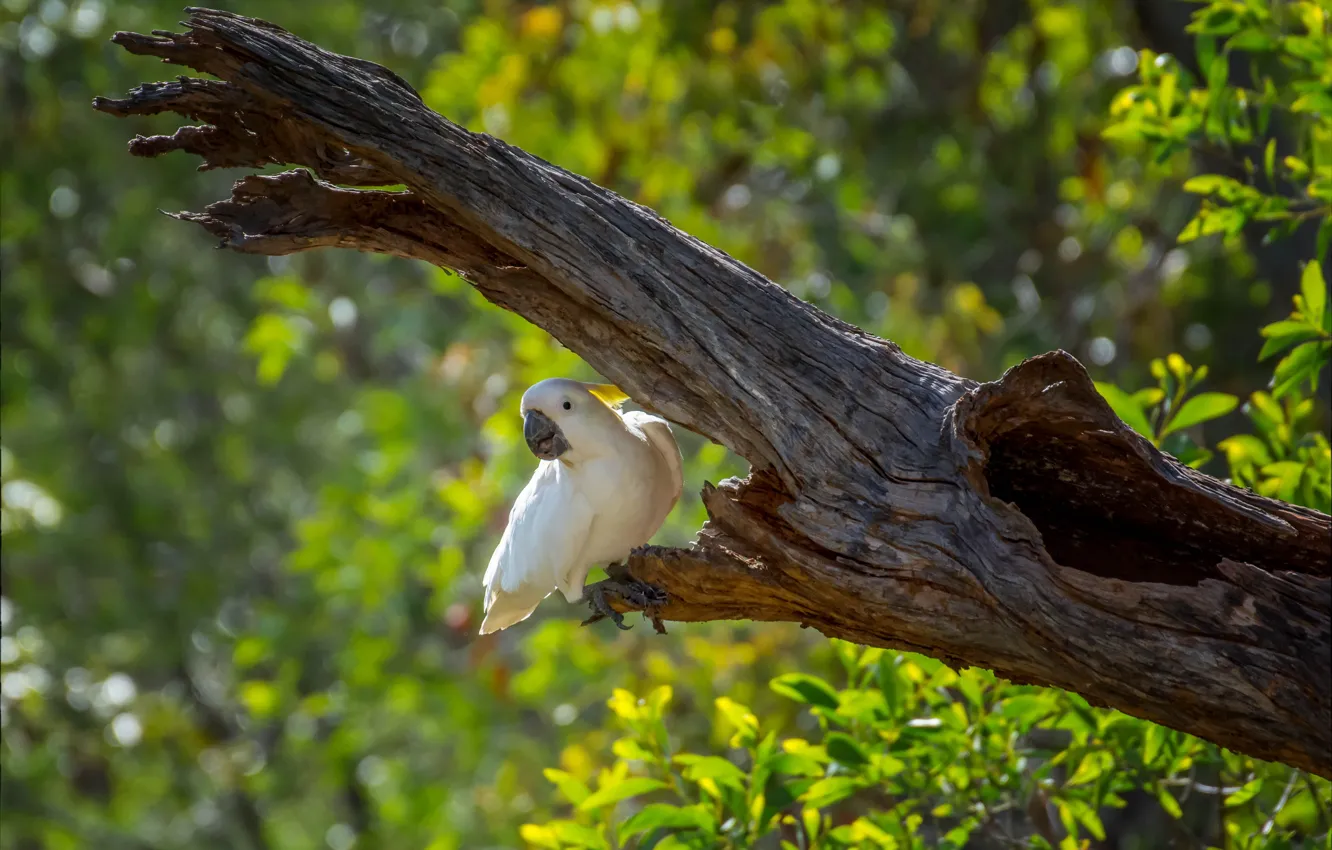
<point>248,502</point>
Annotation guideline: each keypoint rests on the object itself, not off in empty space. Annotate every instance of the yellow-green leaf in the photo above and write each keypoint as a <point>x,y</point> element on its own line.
<point>825,792</point>
<point>804,688</point>
<point>1125,408</point>
<point>664,816</point>
<point>570,786</point>
<point>1201,408</point>
<point>1314,289</point>
<point>618,790</point>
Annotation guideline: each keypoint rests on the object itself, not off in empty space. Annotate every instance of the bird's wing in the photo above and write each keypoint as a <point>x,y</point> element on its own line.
<point>658,432</point>
<point>546,534</point>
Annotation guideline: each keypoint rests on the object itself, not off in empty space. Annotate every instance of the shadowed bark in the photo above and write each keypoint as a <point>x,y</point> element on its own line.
<point>1016,525</point>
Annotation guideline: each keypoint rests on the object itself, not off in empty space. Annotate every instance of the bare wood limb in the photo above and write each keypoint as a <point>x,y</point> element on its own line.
<point>1016,525</point>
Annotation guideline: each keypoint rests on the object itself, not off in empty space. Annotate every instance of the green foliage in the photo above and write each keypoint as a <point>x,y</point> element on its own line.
<point>1289,52</point>
<point>1309,330</point>
<point>1162,412</point>
<point>911,754</point>
<point>1283,459</point>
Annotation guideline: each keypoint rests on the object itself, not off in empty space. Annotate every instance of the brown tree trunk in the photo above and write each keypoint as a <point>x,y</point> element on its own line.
<point>1016,525</point>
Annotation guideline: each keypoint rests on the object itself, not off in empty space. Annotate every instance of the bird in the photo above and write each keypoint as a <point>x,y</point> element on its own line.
<point>605,483</point>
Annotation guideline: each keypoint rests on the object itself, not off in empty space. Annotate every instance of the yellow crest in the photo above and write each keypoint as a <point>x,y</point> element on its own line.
<point>608,394</point>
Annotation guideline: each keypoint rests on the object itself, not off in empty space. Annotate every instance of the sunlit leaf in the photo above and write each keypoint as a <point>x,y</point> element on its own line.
<point>716,768</point>
<point>1246,793</point>
<point>620,790</point>
<point>664,816</point>
<point>1314,290</point>
<point>844,749</point>
<point>1125,408</point>
<point>802,687</point>
<point>1201,408</point>
<point>825,792</point>
<point>573,790</point>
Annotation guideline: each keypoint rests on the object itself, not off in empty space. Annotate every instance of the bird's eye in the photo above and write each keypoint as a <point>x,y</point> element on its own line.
<point>568,405</point>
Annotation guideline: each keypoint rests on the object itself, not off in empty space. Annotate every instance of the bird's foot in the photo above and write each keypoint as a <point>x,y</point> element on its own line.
<point>644,597</point>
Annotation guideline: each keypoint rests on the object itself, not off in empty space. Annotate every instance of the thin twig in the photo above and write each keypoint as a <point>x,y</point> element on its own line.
<point>1281,804</point>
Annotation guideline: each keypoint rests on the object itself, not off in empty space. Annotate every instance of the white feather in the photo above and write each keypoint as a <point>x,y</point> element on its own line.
<point>606,496</point>
<point>658,432</point>
<point>546,534</point>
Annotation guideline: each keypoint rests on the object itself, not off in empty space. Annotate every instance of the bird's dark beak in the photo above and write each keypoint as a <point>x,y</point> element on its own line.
<point>543,436</point>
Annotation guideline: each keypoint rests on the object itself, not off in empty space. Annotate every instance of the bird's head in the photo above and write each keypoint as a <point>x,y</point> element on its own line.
<point>569,419</point>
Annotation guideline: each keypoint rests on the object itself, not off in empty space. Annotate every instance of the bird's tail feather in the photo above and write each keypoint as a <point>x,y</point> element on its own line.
<point>504,611</point>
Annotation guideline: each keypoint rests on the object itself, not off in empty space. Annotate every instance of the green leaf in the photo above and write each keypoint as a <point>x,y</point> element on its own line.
<point>779,794</point>
<point>1205,46</point>
<point>1277,344</point>
<point>1125,408</point>
<point>715,768</point>
<point>619,790</point>
<point>1297,167</point>
<point>1169,803</point>
<point>1210,184</point>
<point>571,787</point>
<point>1246,793</point>
<point>861,705</point>
<point>1092,821</point>
<point>1217,76</point>
<point>665,816</point>
<point>1251,40</point>
<point>1153,739</point>
<point>1166,93</point>
<point>1314,290</point>
<point>1148,397</point>
<point>740,717</point>
<point>888,684</point>
<point>825,792</point>
<point>571,834</point>
<point>1269,160</point>
<point>539,835</point>
<point>628,749</point>
<point>1264,404</point>
<point>1287,475</point>
<point>972,688</point>
<point>805,688</point>
<point>1028,709</point>
<point>1185,450</point>
<point>844,749</point>
<point>1091,767</point>
<point>657,701</point>
<point>1288,327</point>
<point>1300,366</point>
<point>886,765</point>
<point>1245,449</point>
<point>1201,408</point>
<point>794,764</point>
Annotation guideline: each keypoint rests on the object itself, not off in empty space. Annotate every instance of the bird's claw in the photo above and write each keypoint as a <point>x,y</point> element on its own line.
<point>601,609</point>
<point>642,596</point>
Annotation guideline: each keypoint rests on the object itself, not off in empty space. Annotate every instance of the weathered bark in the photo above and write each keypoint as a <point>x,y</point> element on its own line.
<point>1016,525</point>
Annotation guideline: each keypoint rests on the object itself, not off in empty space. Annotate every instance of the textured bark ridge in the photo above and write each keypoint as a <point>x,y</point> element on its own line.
<point>1016,525</point>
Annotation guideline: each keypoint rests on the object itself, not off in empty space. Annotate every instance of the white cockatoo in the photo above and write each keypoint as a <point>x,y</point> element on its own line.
<point>604,486</point>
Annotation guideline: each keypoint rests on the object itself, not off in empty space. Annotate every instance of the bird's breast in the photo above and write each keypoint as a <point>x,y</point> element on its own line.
<point>625,493</point>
